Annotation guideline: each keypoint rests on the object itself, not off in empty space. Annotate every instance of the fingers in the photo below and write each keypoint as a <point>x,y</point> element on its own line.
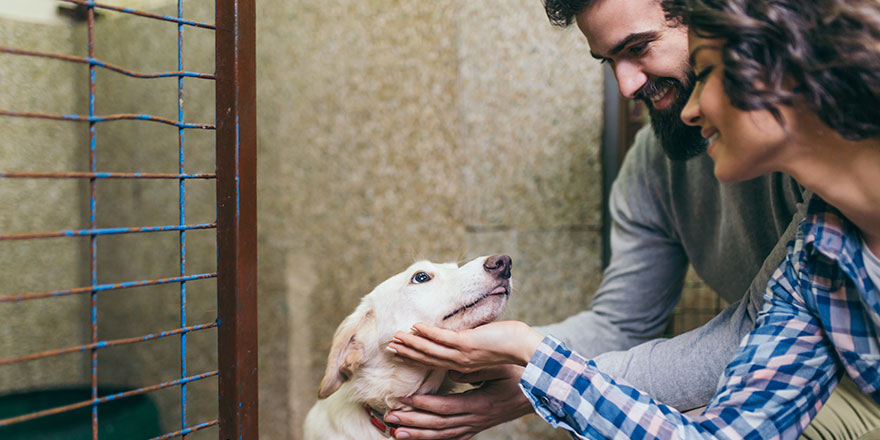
<point>427,420</point>
<point>443,336</point>
<point>424,349</point>
<point>493,373</point>
<point>446,434</point>
<point>446,405</point>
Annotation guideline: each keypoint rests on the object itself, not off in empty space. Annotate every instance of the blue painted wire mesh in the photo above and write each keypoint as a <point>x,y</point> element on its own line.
<point>96,233</point>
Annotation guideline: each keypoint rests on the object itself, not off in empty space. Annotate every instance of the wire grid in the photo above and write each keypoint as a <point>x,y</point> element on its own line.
<point>236,145</point>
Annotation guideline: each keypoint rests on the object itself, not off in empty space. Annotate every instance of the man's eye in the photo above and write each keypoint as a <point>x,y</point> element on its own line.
<point>638,49</point>
<point>420,277</point>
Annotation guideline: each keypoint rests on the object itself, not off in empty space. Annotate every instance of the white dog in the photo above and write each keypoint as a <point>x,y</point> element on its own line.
<point>363,380</point>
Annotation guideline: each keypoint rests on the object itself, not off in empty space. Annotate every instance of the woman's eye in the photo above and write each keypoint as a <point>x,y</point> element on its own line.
<point>421,277</point>
<point>703,74</point>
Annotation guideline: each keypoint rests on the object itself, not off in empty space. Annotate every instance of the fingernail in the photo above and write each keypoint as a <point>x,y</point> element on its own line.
<point>390,418</point>
<point>390,348</point>
<point>396,340</point>
<point>406,400</point>
<point>402,434</point>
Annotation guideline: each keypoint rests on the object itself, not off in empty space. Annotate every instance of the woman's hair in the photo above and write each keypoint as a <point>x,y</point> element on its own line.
<point>823,52</point>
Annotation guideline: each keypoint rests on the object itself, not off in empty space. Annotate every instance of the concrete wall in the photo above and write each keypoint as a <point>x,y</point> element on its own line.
<point>390,130</point>
<point>408,129</point>
<point>39,145</point>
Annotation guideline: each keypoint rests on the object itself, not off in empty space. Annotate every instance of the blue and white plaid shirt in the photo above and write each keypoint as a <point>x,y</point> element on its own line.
<point>821,318</point>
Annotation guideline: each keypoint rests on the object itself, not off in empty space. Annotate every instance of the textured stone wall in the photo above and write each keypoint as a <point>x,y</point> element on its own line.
<point>397,130</point>
<point>32,205</point>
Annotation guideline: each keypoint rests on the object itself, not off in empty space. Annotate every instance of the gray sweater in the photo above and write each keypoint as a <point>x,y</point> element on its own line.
<point>666,214</point>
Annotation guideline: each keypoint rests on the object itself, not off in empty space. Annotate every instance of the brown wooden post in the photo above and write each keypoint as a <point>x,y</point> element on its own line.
<point>237,218</point>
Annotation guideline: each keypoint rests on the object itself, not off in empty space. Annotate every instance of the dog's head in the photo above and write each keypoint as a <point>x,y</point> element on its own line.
<point>443,295</point>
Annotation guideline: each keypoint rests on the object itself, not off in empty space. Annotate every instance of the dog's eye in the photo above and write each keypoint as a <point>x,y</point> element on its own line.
<point>420,277</point>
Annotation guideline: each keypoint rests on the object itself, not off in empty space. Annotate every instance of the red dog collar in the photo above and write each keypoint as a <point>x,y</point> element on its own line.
<point>377,419</point>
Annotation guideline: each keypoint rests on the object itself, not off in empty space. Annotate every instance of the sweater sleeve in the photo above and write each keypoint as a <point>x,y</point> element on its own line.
<point>641,286</point>
<point>644,278</point>
<point>683,371</point>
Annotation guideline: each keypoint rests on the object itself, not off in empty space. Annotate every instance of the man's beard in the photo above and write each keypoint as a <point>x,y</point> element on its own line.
<point>679,141</point>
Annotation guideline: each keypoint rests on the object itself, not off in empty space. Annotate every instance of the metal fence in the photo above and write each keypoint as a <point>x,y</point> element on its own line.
<point>235,224</point>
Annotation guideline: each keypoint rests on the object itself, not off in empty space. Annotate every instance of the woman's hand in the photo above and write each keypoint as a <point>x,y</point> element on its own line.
<point>489,345</point>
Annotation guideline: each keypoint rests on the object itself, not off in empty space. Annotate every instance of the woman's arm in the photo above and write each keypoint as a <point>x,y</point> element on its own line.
<point>782,374</point>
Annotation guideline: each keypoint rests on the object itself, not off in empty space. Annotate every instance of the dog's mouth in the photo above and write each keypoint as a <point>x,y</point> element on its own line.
<point>501,289</point>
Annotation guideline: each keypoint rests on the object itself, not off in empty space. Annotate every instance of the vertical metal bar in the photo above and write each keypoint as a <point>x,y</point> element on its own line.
<point>182,217</point>
<point>611,158</point>
<point>237,218</point>
<point>93,239</point>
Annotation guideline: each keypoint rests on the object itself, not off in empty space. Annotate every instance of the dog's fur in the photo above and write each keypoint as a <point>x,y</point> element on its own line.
<point>359,369</point>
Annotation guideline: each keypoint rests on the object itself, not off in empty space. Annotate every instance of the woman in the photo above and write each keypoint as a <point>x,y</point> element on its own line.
<point>782,85</point>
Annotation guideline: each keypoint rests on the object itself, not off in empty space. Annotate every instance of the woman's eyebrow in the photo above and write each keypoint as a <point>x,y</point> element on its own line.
<point>692,58</point>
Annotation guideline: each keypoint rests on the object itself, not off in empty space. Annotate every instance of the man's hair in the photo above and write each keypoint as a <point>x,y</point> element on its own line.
<point>562,12</point>
<point>824,53</point>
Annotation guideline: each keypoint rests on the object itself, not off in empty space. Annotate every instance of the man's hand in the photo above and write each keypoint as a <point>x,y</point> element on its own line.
<point>461,416</point>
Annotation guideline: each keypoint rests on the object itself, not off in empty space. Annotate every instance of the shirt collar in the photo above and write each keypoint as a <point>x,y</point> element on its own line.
<point>827,232</point>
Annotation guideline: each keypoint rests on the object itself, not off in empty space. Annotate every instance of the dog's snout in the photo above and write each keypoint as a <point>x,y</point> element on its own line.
<point>498,265</point>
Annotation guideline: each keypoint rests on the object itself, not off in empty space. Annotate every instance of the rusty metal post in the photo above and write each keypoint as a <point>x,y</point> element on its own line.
<point>236,97</point>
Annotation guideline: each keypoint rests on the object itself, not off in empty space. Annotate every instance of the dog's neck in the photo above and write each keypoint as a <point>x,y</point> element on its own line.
<point>431,381</point>
<point>377,419</point>
<point>369,395</point>
<point>383,392</point>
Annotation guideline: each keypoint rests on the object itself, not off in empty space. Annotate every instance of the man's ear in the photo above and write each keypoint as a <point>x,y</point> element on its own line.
<point>346,353</point>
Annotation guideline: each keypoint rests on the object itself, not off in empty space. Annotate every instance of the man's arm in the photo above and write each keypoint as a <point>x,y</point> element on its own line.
<point>644,278</point>
<point>683,371</point>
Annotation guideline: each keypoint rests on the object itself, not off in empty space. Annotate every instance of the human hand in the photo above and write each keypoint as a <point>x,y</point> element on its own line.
<point>461,416</point>
<point>489,345</point>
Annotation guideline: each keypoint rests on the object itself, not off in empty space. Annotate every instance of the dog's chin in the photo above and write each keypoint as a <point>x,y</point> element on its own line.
<point>482,312</point>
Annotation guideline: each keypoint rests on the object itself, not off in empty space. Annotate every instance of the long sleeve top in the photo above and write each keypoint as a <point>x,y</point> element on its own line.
<point>665,215</point>
<point>820,319</point>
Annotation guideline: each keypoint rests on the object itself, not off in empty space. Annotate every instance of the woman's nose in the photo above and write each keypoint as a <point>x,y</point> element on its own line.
<point>690,114</point>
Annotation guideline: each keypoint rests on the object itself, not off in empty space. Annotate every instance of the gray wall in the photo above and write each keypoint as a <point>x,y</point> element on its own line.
<point>388,131</point>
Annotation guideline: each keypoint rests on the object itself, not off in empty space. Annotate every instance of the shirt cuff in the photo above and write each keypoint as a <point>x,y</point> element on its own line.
<point>548,380</point>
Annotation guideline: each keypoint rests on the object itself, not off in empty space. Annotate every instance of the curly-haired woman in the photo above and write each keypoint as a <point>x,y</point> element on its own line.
<point>782,85</point>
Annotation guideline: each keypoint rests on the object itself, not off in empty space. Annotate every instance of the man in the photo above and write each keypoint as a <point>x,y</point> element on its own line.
<point>668,210</point>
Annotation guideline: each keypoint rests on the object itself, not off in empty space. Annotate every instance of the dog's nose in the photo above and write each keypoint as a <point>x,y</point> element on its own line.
<point>498,265</point>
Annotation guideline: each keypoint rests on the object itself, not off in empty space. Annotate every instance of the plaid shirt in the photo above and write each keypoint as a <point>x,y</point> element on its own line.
<point>821,317</point>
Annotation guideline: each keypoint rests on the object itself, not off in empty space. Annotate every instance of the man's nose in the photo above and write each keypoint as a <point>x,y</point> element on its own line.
<point>630,78</point>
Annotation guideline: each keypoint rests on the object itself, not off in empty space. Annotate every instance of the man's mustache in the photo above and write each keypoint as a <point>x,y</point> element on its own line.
<point>652,87</point>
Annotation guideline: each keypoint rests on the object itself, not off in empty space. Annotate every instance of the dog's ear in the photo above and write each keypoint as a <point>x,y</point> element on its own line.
<point>346,353</point>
